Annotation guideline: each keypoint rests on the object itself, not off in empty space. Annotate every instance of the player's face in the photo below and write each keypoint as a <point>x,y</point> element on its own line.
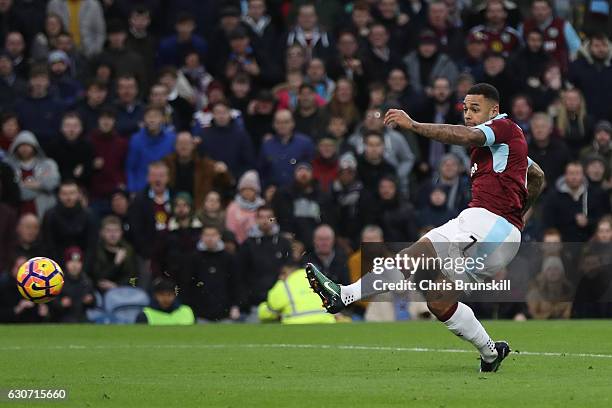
<point>477,109</point>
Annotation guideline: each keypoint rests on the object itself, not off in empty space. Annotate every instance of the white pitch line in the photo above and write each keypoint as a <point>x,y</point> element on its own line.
<point>292,346</point>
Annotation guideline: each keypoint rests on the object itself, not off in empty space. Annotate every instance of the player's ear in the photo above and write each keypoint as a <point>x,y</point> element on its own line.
<point>494,110</point>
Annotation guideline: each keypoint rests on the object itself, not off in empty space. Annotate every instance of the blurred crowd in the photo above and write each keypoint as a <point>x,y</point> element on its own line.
<point>214,146</point>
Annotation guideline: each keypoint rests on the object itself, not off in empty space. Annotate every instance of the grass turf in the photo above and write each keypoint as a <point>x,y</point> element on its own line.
<point>239,366</point>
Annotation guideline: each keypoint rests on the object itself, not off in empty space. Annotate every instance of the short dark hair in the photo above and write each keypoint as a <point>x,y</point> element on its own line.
<point>486,90</point>
<point>307,86</point>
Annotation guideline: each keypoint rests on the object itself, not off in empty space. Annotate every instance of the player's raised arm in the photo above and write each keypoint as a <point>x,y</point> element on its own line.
<point>450,134</point>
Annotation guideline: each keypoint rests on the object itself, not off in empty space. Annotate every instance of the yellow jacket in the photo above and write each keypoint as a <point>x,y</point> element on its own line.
<point>294,302</point>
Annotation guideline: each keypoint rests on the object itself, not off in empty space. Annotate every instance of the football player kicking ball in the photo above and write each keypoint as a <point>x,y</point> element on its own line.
<point>505,183</point>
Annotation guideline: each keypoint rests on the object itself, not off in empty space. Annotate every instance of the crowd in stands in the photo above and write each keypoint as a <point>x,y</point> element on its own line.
<point>212,143</point>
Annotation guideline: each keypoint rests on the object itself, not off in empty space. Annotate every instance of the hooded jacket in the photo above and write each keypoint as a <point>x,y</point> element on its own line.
<point>594,79</point>
<point>45,172</point>
<point>562,206</point>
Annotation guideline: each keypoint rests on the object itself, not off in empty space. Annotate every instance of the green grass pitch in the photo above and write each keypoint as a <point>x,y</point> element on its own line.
<point>349,365</point>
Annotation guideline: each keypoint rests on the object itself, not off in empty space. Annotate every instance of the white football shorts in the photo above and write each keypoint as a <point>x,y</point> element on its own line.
<point>478,242</point>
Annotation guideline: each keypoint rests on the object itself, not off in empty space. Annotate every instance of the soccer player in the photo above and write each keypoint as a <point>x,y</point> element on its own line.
<point>505,183</point>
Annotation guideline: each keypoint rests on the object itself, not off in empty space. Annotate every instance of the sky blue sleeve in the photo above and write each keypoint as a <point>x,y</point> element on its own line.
<point>529,162</point>
<point>572,38</point>
<point>489,134</point>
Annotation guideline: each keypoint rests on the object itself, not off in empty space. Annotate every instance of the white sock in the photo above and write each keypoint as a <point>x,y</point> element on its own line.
<point>465,325</point>
<point>364,287</point>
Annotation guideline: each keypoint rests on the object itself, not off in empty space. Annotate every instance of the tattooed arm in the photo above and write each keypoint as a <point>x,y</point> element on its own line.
<point>535,184</point>
<point>450,134</point>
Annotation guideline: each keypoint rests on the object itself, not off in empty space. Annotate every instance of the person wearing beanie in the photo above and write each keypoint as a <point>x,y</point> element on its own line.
<point>78,292</point>
<point>241,212</point>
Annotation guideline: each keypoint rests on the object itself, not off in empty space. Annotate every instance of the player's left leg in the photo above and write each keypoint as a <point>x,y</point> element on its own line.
<point>460,320</point>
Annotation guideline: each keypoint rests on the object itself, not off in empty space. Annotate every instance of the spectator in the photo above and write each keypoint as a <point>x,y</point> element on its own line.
<point>401,92</point>
<point>226,141</point>
<point>327,256</point>
<point>90,107</point>
<point>325,163</point>
<point>244,59</point>
<point>172,50</point>
<point>240,92</point>
<point>347,62</point>
<point>193,174</point>
<point>241,212</point>
<point>528,63</point>
<point>338,129</point>
<point>40,112</point>
<point>110,153</point>
<point>79,65</point>
<point>152,143</point>
<point>309,34</point>
<point>123,60</point>
<point>546,95</point>
<point>143,42</point>
<point>550,153</point>
<point>573,123</point>
<point>11,20</point>
<point>595,170</point>
<point>211,285</point>
<point>183,233</point>
<point>395,216</point>
<point>369,234</point>
<point>72,152</point>
<point>69,224</point>
<point>496,73</point>
<point>37,175</point>
<point>435,212</point>
<point>450,39</point>
<point>521,112</point>
<point>428,62</point>
<point>77,293</point>
<point>475,50</point>
<point>85,21</point>
<point>212,212</point>
<point>130,111</point>
<point>8,236</point>
<point>449,178</point>
<point>346,193</point>
<point>591,72</point>
<point>119,207</point>
<point>14,308</point>
<point>317,77</point>
<point>29,243</point>
<point>180,97</point>
<point>9,129</point>
<point>9,187</point>
<point>280,154</point>
<point>343,103</point>
<point>302,206</point>
<point>396,149</point>
<point>12,86</point>
<point>67,88</point>
<point>165,309</point>
<point>262,31</point>
<point>550,294</point>
<point>259,117</point>
<point>261,256</point>
<point>498,35</point>
<point>309,118</point>
<point>397,22</point>
<point>594,264</point>
<point>573,206</point>
<point>372,165</point>
<point>602,144</point>
<point>15,47</point>
<point>379,57</point>
<point>148,216</point>
<point>291,301</point>
<point>560,39</point>
<point>198,77</point>
<point>360,21</point>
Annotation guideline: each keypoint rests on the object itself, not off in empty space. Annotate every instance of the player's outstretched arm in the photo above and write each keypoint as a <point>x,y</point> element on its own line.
<point>535,184</point>
<point>450,134</point>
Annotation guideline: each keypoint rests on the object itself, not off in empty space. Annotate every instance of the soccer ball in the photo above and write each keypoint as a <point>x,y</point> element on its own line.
<point>40,279</point>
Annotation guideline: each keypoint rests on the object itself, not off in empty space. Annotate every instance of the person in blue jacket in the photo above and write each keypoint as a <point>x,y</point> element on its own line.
<point>151,143</point>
